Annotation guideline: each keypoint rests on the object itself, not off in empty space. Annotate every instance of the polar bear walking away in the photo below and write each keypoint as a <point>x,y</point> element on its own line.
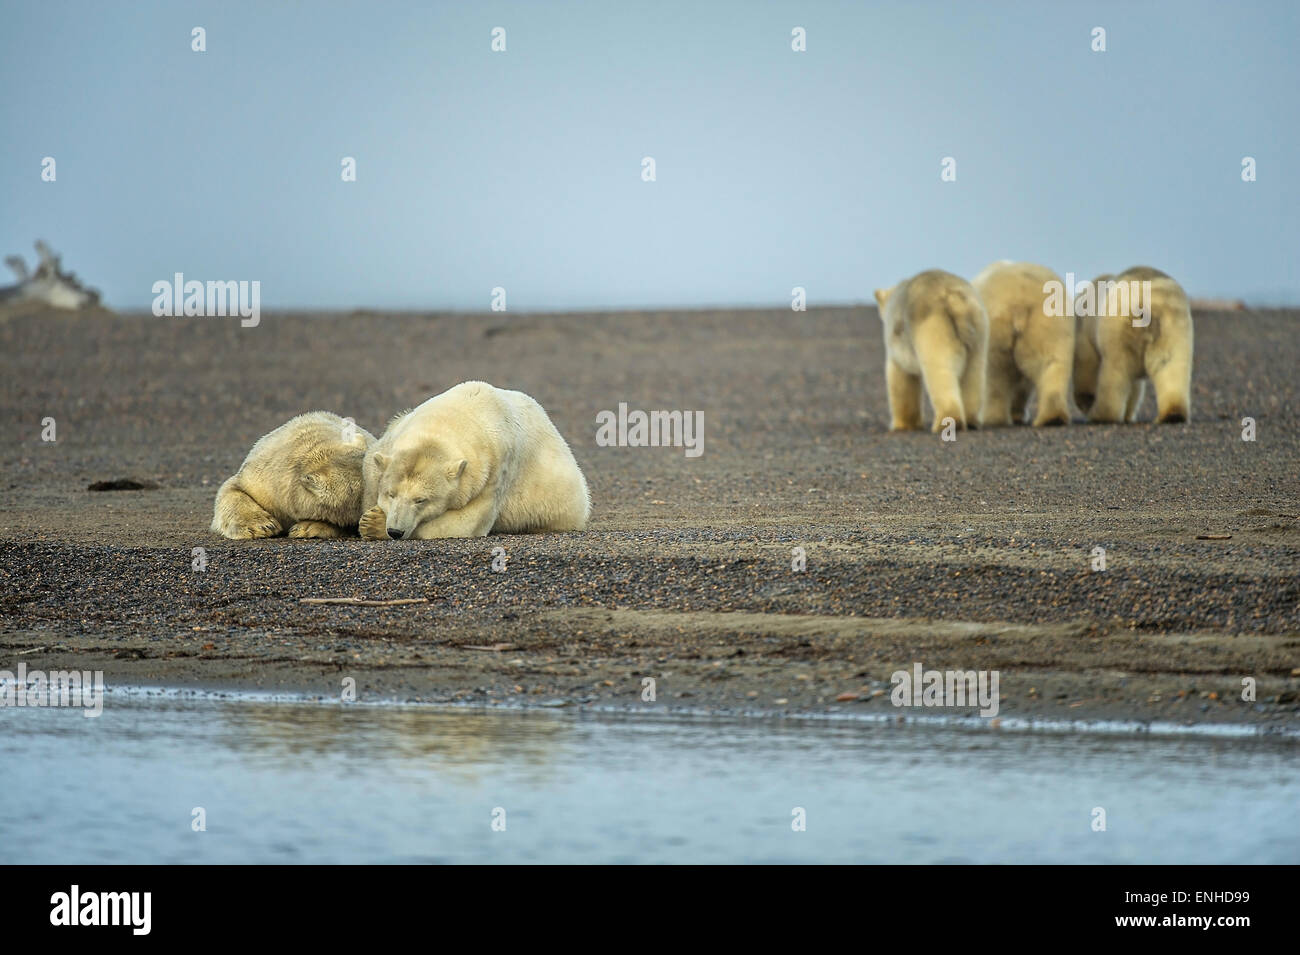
<point>470,461</point>
<point>305,476</point>
<point>936,334</point>
<point>1158,347</point>
<point>1030,349</point>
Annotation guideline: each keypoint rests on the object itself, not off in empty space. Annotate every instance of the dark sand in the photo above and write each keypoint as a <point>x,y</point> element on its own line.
<point>969,555</point>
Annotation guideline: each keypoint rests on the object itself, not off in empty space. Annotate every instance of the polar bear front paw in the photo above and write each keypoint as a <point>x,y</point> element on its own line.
<point>373,525</point>
<point>251,530</point>
<point>314,529</point>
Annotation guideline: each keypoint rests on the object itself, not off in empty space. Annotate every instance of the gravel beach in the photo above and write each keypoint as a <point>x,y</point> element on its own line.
<point>975,554</point>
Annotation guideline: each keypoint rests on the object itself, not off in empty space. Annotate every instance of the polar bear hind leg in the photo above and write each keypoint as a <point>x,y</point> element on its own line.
<point>1052,386</point>
<point>1004,403</point>
<point>940,355</point>
<point>1115,381</point>
<point>904,398</point>
<point>1170,370</point>
<point>551,499</point>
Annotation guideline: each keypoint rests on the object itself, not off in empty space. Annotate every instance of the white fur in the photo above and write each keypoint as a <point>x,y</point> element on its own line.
<point>472,461</point>
<point>1116,358</point>
<point>1030,350</point>
<point>303,479</point>
<point>936,335</point>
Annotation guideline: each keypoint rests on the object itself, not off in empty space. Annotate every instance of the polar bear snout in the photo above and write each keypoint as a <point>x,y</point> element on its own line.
<point>399,525</point>
<point>404,514</point>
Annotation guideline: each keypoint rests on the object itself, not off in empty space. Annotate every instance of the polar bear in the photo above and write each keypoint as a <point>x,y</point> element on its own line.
<point>1030,349</point>
<point>1142,330</point>
<point>472,460</point>
<point>1086,359</point>
<point>305,476</point>
<point>936,333</point>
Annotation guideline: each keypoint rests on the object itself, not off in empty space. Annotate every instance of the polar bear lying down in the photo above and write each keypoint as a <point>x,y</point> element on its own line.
<point>303,478</point>
<point>468,462</point>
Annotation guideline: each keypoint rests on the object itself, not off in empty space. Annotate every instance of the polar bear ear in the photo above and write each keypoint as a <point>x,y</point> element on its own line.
<point>882,296</point>
<point>310,481</point>
<point>460,469</point>
<point>381,461</point>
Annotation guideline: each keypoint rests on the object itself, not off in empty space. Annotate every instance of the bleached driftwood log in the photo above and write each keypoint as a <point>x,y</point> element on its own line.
<point>48,285</point>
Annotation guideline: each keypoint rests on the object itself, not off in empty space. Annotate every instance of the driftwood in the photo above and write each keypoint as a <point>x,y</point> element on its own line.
<point>358,602</point>
<point>48,285</point>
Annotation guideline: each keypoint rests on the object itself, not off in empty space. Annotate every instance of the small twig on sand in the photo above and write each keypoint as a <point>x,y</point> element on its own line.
<point>30,650</point>
<point>495,648</point>
<point>1214,537</point>
<point>358,602</point>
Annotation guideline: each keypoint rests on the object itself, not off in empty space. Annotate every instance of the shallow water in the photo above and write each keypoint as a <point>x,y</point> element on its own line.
<point>311,782</point>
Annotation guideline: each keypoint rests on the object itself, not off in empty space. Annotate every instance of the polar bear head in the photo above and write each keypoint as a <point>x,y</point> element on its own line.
<point>309,468</point>
<point>327,481</point>
<point>418,485</point>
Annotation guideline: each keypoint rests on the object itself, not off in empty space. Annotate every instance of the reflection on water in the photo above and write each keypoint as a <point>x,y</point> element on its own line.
<point>298,782</point>
<point>461,744</point>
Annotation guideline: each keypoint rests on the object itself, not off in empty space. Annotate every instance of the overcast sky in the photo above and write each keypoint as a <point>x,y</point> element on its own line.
<point>523,169</point>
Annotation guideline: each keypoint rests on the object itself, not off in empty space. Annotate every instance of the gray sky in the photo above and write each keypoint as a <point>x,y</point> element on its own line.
<point>522,169</point>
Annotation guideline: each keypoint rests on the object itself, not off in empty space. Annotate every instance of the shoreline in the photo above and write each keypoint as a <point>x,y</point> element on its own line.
<point>479,675</point>
<point>929,719</point>
<point>969,555</point>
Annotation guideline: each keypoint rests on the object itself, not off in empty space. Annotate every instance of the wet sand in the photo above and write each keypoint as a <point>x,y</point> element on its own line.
<point>974,554</point>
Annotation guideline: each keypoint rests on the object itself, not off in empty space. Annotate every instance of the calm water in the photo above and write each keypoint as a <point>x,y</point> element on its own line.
<point>301,782</point>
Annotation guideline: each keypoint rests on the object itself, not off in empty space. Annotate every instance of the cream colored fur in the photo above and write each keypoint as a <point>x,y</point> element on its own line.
<point>1128,356</point>
<point>1030,350</point>
<point>472,461</point>
<point>304,478</point>
<point>936,338</point>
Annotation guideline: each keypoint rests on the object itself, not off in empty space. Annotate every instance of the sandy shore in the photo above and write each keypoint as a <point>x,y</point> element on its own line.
<point>967,555</point>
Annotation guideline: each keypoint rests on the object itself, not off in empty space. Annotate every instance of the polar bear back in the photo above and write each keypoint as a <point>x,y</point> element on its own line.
<point>307,469</point>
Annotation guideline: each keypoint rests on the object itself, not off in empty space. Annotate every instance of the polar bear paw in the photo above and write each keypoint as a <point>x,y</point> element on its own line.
<point>318,530</point>
<point>373,525</point>
<point>262,527</point>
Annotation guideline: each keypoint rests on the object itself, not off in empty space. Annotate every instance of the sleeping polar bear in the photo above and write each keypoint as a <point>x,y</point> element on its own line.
<point>470,461</point>
<point>303,478</point>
